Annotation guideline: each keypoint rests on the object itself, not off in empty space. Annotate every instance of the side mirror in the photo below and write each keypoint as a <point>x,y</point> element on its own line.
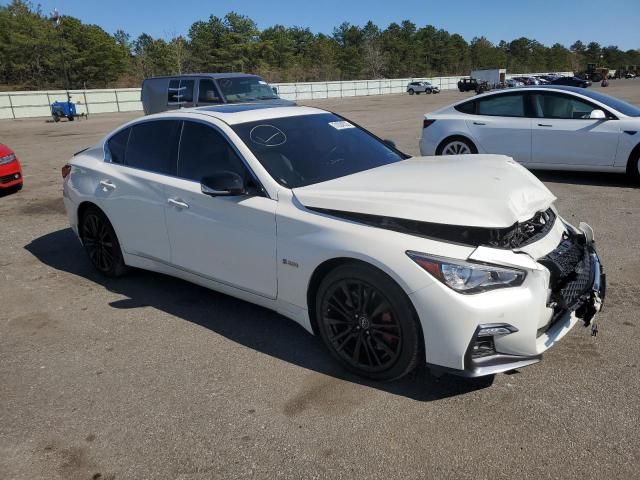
<point>275,90</point>
<point>597,114</point>
<point>223,184</point>
<point>390,143</point>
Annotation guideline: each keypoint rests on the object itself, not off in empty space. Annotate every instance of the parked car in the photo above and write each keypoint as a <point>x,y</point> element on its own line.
<point>467,85</point>
<point>10,171</point>
<point>527,80</point>
<point>420,87</point>
<point>548,127</point>
<point>199,89</point>
<point>541,80</point>
<point>393,261</point>
<point>512,83</point>
<point>571,82</point>
<point>629,75</point>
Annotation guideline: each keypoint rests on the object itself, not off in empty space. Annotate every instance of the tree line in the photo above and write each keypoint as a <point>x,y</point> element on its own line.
<point>34,53</point>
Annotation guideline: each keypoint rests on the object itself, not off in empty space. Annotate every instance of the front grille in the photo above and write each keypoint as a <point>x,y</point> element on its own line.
<point>9,178</point>
<point>525,233</point>
<point>579,282</point>
<point>571,271</point>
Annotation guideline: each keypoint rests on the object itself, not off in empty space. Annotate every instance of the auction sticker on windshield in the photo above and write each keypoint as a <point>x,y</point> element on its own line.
<point>341,125</point>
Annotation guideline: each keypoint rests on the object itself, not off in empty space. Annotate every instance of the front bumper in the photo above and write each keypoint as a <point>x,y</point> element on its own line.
<point>10,175</point>
<point>534,311</point>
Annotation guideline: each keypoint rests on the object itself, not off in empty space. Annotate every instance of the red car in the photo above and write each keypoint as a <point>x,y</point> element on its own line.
<point>10,171</point>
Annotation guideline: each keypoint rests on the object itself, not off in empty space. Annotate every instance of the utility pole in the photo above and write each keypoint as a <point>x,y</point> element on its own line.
<point>57,23</point>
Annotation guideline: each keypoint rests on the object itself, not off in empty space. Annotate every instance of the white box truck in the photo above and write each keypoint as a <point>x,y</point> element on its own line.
<point>492,76</point>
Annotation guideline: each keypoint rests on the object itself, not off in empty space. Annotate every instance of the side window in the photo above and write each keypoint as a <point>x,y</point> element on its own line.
<point>468,107</point>
<point>204,151</point>
<point>180,91</point>
<point>207,93</point>
<point>502,106</point>
<point>174,89</point>
<point>117,145</point>
<point>560,106</point>
<point>152,146</point>
<point>186,91</point>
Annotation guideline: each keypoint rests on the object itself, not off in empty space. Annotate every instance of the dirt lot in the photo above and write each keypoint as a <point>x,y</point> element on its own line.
<point>148,377</point>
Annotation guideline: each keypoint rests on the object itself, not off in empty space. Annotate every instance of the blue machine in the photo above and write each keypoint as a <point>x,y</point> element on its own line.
<point>63,110</point>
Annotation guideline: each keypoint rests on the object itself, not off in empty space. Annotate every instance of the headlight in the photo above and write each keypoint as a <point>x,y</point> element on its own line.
<point>7,159</point>
<point>466,277</point>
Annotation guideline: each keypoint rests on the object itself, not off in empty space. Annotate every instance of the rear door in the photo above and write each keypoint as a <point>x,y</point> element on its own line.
<point>131,189</point>
<point>501,126</point>
<point>563,133</point>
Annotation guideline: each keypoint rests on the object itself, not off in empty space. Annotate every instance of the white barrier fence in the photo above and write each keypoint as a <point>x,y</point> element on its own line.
<point>37,104</point>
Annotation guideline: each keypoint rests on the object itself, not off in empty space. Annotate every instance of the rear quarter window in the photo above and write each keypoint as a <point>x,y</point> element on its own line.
<point>468,107</point>
<point>117,146</point>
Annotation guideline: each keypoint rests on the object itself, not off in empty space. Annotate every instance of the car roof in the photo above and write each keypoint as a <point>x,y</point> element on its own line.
<point>528,88</point>
<point>233,114</point>
<point>210,75</point>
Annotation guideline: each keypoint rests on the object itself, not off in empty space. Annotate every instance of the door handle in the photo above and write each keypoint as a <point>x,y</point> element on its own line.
<point>107,185</point>
<point>544,125</point>
<point>479,123</point>
<point>177,203</point>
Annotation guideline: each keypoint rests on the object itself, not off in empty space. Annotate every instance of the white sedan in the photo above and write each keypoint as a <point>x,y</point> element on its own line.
<point>544,127</point>
<point>394,261</point>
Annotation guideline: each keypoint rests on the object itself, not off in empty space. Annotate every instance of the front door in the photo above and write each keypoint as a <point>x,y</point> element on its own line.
<point>563,133</point>
<point>231,240</point>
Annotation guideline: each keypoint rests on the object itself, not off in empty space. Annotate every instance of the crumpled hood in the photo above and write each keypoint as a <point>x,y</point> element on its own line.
<point>491,191</point>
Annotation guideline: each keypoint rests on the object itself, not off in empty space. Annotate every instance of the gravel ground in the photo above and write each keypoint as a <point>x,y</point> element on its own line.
<point>149,377</point>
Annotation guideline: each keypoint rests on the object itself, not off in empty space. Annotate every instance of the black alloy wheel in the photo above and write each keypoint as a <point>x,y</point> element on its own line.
<point>367,322</point>
<point>101,243</point>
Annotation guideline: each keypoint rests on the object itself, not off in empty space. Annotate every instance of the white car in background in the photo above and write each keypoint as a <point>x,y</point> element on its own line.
<point>393,261</point>
<point>422,87</point>
<point>544,127</point>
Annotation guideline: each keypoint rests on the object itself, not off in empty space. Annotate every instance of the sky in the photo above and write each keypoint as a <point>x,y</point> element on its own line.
<point>608,22</point>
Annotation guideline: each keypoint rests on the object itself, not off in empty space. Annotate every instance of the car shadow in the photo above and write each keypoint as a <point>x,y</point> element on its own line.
<point>249,325</point>
<point>586,178</point>
<point>5,192</point>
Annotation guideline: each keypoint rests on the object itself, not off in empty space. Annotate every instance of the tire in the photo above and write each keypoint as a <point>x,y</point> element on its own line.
<point>101,243</point>
<point>456,146</point>
<point>411,91</point>
<point>428,92</point>
<point>633,167</point>
<point>56,118</point>
<point>382,351</point>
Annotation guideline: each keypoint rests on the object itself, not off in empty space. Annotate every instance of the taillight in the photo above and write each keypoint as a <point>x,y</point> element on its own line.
<point>426,122</point>
<point>66,170</point>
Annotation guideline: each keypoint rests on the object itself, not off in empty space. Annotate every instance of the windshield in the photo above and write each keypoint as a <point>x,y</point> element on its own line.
<point>245,89</point>
<point>307,149</point>
<point>615,103</point>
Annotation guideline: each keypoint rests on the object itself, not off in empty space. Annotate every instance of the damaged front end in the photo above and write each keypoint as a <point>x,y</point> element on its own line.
<point>517,235</point>
<point>578,281</point>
